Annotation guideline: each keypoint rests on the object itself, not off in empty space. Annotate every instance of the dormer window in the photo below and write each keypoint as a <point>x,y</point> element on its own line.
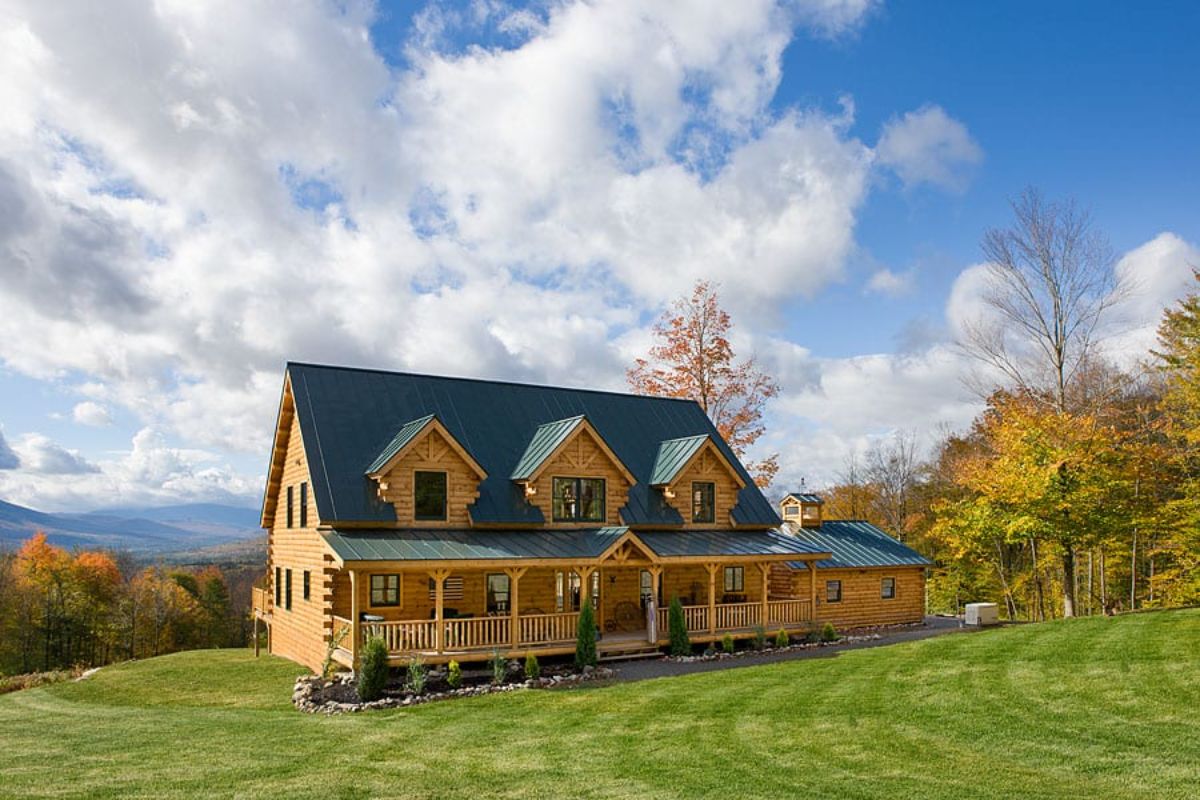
<point>704,501</point>
<point>429,495</point>
<point>578,499</point>
<point>791,512</point>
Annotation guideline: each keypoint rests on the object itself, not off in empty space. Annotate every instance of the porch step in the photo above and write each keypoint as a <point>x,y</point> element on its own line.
<point>629,655</point>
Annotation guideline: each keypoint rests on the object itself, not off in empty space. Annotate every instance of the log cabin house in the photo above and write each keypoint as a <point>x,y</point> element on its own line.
<point>456,517</point>
<point>869,578</point>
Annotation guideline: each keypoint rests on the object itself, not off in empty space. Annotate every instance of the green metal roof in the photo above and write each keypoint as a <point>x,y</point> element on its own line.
<point>463,545</point>
<point>854,543</point>
<point>673,454</point>
<point>805,497</point>
<point>349,416</point>
<point>588,543</point>
<point>545,441</point>
<point>406,434</point>
<point>724,543</point>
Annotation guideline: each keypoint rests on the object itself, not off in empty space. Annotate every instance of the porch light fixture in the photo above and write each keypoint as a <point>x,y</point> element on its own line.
<point>668,493</point>
<point>530,490</point>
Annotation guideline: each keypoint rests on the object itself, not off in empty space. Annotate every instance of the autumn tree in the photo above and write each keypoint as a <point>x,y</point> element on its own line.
<point>1178,360</point>
<point>693,359</point>
<point>1049,284</point>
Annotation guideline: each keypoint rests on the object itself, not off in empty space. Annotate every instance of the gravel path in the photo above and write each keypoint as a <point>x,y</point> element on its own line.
<point>658,668</point>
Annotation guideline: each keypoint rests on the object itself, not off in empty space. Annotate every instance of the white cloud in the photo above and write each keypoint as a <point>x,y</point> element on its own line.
<point>884,281</point>
<point>1152,277</point>
<point>929,146</point>
<point>149,473</point>
<point>278,191</point>
<point>92,413</point>
<point>38,455</point>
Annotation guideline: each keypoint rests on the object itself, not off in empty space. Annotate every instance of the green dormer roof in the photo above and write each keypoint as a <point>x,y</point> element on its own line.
<point>673,455</point>
<point>406,434</point>
<point>545,441</point>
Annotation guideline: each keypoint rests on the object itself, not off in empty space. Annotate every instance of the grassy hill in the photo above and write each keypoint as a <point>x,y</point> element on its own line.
<point>1084,708</point>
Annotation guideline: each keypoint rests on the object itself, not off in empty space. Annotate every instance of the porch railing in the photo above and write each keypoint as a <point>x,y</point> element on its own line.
<point>548,628</point>
<point>784,612</point>
<point>478,632</point>
<point>738,615</point>
<point>696,618</point>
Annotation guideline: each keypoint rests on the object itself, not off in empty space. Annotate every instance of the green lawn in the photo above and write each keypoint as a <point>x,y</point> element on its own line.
<point>1085,708</point>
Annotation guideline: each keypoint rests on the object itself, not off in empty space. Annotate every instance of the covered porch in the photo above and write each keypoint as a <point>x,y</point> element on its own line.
<point>521,592</point>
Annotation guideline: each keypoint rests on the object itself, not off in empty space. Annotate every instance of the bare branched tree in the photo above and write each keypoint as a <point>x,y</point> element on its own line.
<point>1050,284</point>
<point>892,469</point>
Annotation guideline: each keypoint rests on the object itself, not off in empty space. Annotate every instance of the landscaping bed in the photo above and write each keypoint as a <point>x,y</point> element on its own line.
<point>314,694</point>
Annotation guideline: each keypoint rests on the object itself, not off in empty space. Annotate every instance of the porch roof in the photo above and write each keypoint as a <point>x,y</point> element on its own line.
<point>469,545</point>
<point>386,544</point>
<point>667,544</point>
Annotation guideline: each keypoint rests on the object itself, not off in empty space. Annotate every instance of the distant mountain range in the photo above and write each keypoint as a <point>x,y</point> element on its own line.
<point>144,531</point>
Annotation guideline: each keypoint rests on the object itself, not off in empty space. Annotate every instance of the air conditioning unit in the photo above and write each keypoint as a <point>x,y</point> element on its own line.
<point>981,614</point>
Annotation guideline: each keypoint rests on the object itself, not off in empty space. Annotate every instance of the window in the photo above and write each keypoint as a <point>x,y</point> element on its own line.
<point>578,500</point>
<point>735,579</point>
<point>703,502</point>
<point>306,584</point>
<point>278,587</point>
<point>429,495</point>
<point>304,505</point>
<point>385,590</point>
<point>567,590</point>
<point>791,512</point>
<point>289,506</point>
<point>498,593</point>
<point>452,588</point>
<point>887,588</point>
<point>287,589</point>
<point>833,591</point>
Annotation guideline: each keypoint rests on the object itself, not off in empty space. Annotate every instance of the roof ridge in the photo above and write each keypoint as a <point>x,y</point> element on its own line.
<point>495,381</point>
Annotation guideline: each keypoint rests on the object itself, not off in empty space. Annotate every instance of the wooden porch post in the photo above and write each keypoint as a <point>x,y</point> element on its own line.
<point>514,581</point>
<point>712,597</point>
<point>655,582</point>
<point>355,621</point>
<point>812,589</point>
<point>765,568</point>
<point>439,595</point>
<point>585,587</point>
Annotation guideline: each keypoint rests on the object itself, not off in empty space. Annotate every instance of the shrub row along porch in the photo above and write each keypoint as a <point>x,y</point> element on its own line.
<point>518,592</point>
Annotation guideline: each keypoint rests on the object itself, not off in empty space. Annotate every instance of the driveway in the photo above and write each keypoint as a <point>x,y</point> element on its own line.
<point>658,668</point>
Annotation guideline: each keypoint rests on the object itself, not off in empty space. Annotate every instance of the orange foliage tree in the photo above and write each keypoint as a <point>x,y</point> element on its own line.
<point>693,359</point>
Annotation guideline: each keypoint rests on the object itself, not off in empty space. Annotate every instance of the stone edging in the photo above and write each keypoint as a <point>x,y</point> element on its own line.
<point>721,655</point>
<point>311,693</point>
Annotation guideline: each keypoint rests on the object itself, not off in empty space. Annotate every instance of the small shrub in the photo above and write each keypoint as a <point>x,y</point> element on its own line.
<point>760,637</point>
<point>335,641</point>
<point>585,636</point>
<point>709,652</point>
<point>499,667</point>
<point>829,633</point>
<point>681,645</point>
<point>417,675</point>
<point>727,643</point>
<point>454,675</point>
<point>533,670</point>
<point>372,670</point>
<point>812,636</point>
<point>782,639</point>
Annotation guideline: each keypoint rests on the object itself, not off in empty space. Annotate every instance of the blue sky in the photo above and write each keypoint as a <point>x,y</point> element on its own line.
<point>448,187</point>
